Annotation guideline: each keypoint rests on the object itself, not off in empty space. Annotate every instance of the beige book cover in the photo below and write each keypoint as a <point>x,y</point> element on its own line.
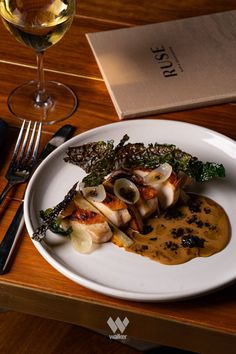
<point>169,66</point>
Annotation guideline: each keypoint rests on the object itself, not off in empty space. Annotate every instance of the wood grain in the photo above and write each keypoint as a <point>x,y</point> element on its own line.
<point>79,61</point>
<point>191,311</point>
<point>139,12</point>
<point>23,332</point>
<point>32,285</point>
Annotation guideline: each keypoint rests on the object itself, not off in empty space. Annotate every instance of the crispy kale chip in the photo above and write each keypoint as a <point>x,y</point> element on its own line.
<point>98,159</point>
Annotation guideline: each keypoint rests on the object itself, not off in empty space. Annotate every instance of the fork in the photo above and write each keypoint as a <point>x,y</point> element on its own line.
<point>24,156</point>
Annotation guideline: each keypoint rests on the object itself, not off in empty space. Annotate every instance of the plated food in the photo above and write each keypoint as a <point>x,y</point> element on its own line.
<point>110,269</point>
<point>135,196</point>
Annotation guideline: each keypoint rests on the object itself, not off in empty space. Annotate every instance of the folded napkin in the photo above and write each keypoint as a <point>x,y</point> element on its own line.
<point>3,136</point>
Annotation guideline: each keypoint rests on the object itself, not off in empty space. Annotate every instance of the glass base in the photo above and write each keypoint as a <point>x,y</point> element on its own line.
<point>60,104</point>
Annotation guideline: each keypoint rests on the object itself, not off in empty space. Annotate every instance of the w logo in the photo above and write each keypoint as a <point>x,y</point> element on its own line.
<point>118,324</point>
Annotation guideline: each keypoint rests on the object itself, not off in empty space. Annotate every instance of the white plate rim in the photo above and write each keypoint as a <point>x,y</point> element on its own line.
<point>112,291</point>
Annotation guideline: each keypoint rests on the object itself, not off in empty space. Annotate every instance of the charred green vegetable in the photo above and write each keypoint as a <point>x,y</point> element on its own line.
<point>55,225</point>
<point>50,216</point>
<point>98,159</point>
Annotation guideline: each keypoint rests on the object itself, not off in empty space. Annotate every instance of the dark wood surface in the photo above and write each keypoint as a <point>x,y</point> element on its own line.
<point>32,285</point>
<point>22,331</point>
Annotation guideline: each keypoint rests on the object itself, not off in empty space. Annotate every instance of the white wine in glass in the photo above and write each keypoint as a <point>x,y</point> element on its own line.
<point>39,24</point>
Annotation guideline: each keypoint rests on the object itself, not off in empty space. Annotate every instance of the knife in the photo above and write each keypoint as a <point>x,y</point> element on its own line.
<point>12,235</point>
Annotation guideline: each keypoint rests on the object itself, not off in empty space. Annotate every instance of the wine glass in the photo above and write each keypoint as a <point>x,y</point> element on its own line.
<point>39,24</point>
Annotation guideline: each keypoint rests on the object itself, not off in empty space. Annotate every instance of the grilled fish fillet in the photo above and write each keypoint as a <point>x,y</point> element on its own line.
<point>95,224</point>
<point>114,209</point>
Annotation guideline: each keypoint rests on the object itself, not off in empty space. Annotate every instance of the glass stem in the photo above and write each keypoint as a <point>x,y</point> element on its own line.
<point>40,97</point>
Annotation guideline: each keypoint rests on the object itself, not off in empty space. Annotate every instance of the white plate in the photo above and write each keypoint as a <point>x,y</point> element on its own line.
<point>111,270</point>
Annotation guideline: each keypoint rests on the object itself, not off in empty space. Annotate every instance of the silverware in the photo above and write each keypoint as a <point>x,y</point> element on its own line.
<point>24,156</point>
<point>11,237</point>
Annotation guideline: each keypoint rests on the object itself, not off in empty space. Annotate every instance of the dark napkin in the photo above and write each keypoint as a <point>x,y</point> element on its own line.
<point>3,137</point>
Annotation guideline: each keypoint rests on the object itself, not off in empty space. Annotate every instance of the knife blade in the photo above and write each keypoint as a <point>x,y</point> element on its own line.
<point>12,235</point>
<point>63,134</point>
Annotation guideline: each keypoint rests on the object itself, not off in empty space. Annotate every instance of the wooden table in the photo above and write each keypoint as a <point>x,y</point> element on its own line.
<point>207,324</point>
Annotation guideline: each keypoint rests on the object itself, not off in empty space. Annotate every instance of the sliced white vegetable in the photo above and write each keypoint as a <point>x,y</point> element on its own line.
<point>96,193</point>
<point>141,172</point>
<point>126,190</point>
<point>120,238</point>
<point>158,175</point>
<point>81,239</point>
<point>168,194</point>
<point>147,207</point>
<point>118,217</point>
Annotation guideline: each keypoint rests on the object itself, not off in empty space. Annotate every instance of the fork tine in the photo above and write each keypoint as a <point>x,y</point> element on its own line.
<point>22,162</point>
<point>18,142</point>
<point>30,146</point>
<point>36,146</point>
<point>24,143</point>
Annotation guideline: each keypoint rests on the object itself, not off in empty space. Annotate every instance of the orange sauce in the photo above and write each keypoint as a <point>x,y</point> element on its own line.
<point>198,229</point>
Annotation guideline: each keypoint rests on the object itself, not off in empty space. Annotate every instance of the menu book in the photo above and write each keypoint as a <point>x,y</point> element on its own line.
<point>169,66</point>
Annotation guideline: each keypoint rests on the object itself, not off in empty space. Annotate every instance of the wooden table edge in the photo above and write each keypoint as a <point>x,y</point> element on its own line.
<point>94,315</point>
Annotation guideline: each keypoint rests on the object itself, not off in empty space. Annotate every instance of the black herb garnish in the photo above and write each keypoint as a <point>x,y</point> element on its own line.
<point>40,232</point>
<point>194,206</point>
<point>192,219</point>
<point>173,213</point>
<point>171,245</point>
<point>191,241</point>
<point>212,227</point>
<point>207,210</point>
<point>176,233</point>
<point>147,229</point>
<point>199,223</point>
